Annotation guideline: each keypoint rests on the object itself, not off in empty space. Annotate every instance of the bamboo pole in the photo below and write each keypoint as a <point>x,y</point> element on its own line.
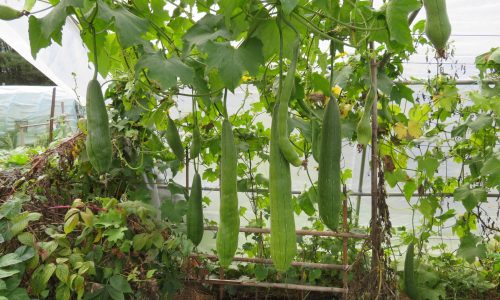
<point>345,267</point>
<point>349,193</point>
<point>375,237</point>
<point>345,278</point>
<point>288,286</point>
<point>301,232</point>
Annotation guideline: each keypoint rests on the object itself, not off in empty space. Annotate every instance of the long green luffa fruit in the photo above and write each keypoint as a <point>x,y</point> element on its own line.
<point>229,224</point>
<point>283,238</point>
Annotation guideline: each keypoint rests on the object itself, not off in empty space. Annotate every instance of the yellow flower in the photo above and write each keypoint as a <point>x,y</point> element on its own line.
<point>246,78</point>
<point>344,109</point>
<point>336,90</point>
<point>341,54</point>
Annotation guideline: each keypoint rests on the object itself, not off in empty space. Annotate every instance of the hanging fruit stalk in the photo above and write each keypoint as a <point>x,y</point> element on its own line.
<point>195,148</point>
<point>285,93</point>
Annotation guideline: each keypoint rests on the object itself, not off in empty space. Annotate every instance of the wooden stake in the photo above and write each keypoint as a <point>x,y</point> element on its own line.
<point>52,111</point>
<point>375,236</point>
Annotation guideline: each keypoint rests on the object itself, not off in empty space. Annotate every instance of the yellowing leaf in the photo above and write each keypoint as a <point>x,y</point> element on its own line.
<point>98,236</point>
<point>400,130</point>
<point>71,223</point>
<point>414,129</point>
<point>87,217</point>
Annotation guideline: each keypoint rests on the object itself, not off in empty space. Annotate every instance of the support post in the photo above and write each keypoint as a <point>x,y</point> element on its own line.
<point>51,120</point>
<point>360,187</point>
<point>375,235</point>
<point>345,275</point>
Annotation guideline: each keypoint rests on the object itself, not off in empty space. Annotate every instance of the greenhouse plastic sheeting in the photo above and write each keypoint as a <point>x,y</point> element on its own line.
<point>31,105</point>
<point>67,65</point>
<point>470,37</point>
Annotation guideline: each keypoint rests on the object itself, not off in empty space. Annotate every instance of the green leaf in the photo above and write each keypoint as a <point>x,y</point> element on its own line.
<point>261,272</point>
<point>428,165</point>
<point>114,293</point>
<point>341,78</point>
<point>77,283</point>
<point>208,28</point>
<point>129,27</point>
<point>459,130</point>
<point>409,188</point>
<point>231,62</point>
<point>62,272</point>
<point>115,234</point>
<point>470,249</point>
<point>481,122</point>
<point>228,6</point>
<point>26,238</point>
<point>11,208</point>
<point>25,253</point>
<point>19,294</point>
<point>447,215</point>
<point>320,83</point>
<point>400,91</point>
<point>28,5</point>
<point>48,248</point>
<point>397,20</point>
<point>63,292</point>
<point>21,221</point>
<point>120,283</point>
<point>267,32</point>
<point>491,168</point>
<point>41,276</point>
<point>43,30</point>
<point>394,177</point>
<point>428,206</point>
<point>470,198</point>
<point>165,71</point>
<point>384,83</point>
<point>112,218</point>
<point>140,241</point>
<point>9,260</point>
<point>306,204</point>
<point>7,273</point>
<point>288,5</point>
<point>173,211</point>
<point>314,275</point>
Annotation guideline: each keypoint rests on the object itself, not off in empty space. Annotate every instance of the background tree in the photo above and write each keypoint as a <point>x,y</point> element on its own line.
<point>15,70</point>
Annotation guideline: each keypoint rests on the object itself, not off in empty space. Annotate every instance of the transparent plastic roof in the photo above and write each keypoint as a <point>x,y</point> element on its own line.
<point>475,30</point>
